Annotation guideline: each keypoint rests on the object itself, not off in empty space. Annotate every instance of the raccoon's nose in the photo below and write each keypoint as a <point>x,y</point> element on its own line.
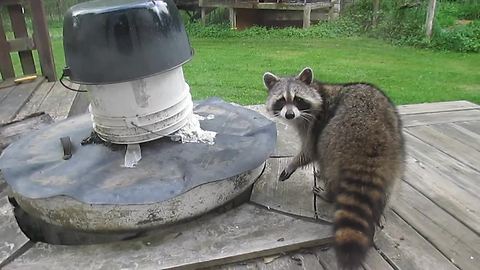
<point>289,115</point>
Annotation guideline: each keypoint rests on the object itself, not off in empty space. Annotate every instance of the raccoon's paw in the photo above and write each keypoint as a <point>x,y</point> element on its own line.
<point>286,173</point>
<point>322,194</point>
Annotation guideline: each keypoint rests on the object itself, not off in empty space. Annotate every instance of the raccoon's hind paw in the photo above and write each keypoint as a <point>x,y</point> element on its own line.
<point>285,175</point>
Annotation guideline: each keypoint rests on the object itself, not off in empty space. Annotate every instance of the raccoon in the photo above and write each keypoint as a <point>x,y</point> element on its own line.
<point>353,133</point>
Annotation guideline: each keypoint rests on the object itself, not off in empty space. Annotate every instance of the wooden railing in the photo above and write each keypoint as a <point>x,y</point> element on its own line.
<point>22,43</point>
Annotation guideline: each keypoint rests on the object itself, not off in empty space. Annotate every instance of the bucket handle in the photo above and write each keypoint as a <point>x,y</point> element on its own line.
<point>66,73</point>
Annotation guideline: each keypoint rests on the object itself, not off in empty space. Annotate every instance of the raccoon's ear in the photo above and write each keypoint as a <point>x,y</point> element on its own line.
<point>269,80</point>
<point>306,76</point>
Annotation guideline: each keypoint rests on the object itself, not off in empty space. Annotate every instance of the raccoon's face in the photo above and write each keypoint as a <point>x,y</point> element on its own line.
<point>292,98</point>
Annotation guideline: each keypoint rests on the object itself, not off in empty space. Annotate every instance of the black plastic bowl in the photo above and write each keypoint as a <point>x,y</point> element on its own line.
<point>112,41</point>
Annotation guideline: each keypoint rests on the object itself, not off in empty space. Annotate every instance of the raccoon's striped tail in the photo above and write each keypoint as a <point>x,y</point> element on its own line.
<point>360,201</point>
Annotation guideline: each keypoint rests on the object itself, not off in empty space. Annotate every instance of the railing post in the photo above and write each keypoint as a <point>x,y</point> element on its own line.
<point>42,40</point>
<point>6,65</point>
<point>19,28</point>
<point>307,10</point>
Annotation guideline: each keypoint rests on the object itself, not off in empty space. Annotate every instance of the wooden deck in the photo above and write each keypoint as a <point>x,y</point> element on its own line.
<point>247,13</point>
<point>433,221</point>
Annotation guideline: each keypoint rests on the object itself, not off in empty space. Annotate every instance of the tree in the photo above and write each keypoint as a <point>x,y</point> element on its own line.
<point>430,17</point>
<point>376,10</point>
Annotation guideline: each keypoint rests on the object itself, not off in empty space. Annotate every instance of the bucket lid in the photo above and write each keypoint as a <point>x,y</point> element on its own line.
<point>111,41</point>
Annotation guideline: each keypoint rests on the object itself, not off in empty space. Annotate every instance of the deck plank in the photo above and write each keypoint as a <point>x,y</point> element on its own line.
<point>288,143</point>
<point>14,130</point>
<point>16,98</point>
<point>326,257</point>
<point>407,249</point>
<point>411,120</point>
<point>33,105</point>
<point>473,126</point>
<point>448,235</point>
<point>457,172</point>
<point>308,261</point>
<point>447,144</point>
<point>79,105</point>
<point>243,233</point>
<point>283,262</point>
<point>59,101</point>
<point>437,107</point>
<point>444,192</point>
<point>5,91</point>
<point>375,261</point>
<point>13,241</point>
<point>292,196</point>
<point>460,134</point>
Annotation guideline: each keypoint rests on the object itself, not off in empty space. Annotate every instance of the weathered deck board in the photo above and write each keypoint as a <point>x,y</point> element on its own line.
<point>327,258</point>
<point>79,105</point>
<point>457,172</point>
<point>288,143</point>
<point>406,248</point>
<point>302,260</point>
<point>473,126</point>
<point>13,242</point>
<point>447,144</point>
<point>243,233</point>
<point>4,91</point>
<point>375,261</point>
<point>411,120</point>
<point>437,107</point>
<point>448,235</point>
<point>292,196</point>
<point>37,99</point>
<point>14,130</point>
<point>58,101</point>
<point>443,192</point>
<point>12,103</point>
<point>460,134</point>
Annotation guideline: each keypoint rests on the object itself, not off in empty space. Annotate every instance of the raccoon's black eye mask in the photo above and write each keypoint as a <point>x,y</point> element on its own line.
<point>302,104</point>
<point>279,104</point>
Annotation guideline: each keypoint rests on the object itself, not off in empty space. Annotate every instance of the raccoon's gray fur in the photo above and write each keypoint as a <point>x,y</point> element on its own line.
<point>352,132</point>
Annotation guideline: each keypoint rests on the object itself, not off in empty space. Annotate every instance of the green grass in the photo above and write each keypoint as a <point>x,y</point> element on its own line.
<point>232,68</point>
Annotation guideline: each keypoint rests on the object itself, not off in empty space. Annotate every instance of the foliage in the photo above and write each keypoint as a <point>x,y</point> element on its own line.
<point>403,24</point>
<point>340,28</point>
<point>462,38</point>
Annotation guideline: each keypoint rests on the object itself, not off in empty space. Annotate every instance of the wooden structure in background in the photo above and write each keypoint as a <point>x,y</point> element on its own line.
<point>246,13</point>
<point>22,43</point>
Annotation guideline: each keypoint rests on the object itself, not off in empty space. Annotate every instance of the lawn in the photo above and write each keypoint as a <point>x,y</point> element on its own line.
<point>232,68</point>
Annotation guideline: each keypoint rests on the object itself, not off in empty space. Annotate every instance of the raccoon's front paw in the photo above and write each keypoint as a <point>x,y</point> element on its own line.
<point>286,173</point>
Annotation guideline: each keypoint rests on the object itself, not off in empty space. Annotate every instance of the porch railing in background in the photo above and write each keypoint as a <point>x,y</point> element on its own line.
<point>22,43</point>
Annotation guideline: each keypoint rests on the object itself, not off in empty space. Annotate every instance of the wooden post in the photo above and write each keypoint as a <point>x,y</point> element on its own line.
<point>19,27</point>
<point>6,65</point>
<point>203,13</point>
<point>233,18</point>
<point>203,17</point>
<point>430,17</point>
<point>42,40</point>
<point>307,10</point>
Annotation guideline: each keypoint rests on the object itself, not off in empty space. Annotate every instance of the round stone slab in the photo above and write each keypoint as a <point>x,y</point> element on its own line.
<point>173,181</point>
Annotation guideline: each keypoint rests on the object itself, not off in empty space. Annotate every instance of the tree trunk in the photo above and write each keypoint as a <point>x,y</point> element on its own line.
<point>376,10</point>
<point>430,17</point>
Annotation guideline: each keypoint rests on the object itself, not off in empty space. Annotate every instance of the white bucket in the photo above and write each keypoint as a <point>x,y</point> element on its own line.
<point>141,110</point>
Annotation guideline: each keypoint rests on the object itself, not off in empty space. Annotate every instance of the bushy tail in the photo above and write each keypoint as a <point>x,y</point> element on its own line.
<point>360,201</point>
